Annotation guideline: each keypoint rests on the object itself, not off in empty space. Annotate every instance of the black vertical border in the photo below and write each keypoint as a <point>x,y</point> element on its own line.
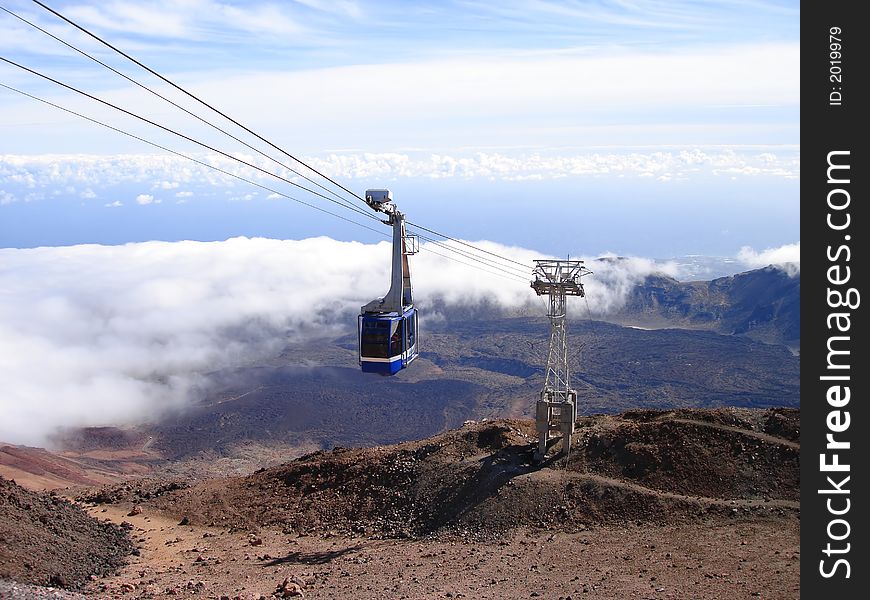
<point>826,128</point>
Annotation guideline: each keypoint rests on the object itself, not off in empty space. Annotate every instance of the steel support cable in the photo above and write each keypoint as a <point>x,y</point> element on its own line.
<point>489,263</point>
<point>236,176</point>
<point>481,259</point>
<point>176,105</point>
<point>486,268</point>
<point>238,124</point>
<point>183,136</point>
<point>473,266</point>
<point>190,158</point>
<point>196,98</point>
<point>445,236</point>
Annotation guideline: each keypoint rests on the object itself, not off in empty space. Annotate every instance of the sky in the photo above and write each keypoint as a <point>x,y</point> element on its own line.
<point>665,132</point>
<point>642,128</point>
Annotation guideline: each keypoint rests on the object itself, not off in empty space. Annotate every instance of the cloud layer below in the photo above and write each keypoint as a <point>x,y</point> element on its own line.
<point>160,176</point>
<point>95,335</point>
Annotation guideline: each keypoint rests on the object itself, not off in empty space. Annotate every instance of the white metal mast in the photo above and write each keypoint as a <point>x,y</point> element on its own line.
<point>557,408</point>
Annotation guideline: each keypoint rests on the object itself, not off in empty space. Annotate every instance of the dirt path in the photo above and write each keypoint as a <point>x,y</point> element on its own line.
<point>636,487</point>
<point>747,432</point>
<point>176,559</point>
<point>744,559</point>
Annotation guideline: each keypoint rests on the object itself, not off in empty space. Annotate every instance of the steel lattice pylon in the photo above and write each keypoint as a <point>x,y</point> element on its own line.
<point>557,408</point>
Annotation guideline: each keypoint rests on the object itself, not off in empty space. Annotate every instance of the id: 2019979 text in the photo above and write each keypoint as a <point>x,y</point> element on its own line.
<point>835,70</point>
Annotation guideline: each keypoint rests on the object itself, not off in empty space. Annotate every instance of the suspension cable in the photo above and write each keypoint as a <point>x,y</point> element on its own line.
<point>193,96</point>
<point>173,103</point>
<point>479,259</point>
<point>183,136</point>
<point>188,157</point>
<point>244,179</point>
<point>444,235</point>
<point>489,262</point>
<point>258,136</point>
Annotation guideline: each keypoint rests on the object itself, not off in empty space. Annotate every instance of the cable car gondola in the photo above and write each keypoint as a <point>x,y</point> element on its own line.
<point>387,326</point>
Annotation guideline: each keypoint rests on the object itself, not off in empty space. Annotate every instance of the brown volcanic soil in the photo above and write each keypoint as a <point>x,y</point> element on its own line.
<point>480,481</point>
<point>91,456</point>
<point>676,504</point>
<point>741,558</point>
<point>47,540</point>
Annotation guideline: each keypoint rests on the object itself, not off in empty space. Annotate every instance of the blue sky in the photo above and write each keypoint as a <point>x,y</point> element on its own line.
<point>202,35</point>
<point>646,128</point>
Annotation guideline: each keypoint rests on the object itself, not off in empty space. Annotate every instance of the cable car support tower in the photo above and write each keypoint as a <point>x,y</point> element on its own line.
<point>556,411</point>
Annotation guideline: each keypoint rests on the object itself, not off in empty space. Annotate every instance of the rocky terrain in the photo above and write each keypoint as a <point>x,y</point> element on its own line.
<point>649,504</point>
<point>479,480</point>
<point>47,540</point>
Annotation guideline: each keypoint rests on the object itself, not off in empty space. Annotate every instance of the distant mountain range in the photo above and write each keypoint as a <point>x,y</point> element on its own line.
<point>763,304</point>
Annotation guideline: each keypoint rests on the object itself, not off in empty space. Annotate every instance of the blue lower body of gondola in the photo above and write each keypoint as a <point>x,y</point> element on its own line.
<point>387,341</point>
<point>383,366</point>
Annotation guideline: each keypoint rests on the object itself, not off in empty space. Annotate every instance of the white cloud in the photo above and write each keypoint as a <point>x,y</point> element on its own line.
<point>349,8</point>
<point>486,99</point>
<point>144,199</point>
<point>157,171</point>
<point>114,204</point>
<point>263,20</point>
<point>787,257</point>
<point>547,100</point>
<point>614,277</point>
<point>157,19</point>
<point>498,85</point>
<point>6,198</point>
<point>189,20</point>
<point>185,194</point>
<point>93,335</point>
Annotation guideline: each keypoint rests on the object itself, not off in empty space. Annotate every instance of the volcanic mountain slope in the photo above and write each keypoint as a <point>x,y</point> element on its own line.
<point>649,504</point>
<point>763,304</point>
<point>647,466</point>
<point>89,456</point>
<point>475,363</point>
<point>313,396</point>
<point>469,370</point>
<point>47,540</point>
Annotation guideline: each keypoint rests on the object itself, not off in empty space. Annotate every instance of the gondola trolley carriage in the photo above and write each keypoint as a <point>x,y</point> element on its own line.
<point>388,326</point>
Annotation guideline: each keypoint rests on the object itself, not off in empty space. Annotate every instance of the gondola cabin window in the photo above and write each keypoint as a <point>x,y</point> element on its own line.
<point>375,337</point>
